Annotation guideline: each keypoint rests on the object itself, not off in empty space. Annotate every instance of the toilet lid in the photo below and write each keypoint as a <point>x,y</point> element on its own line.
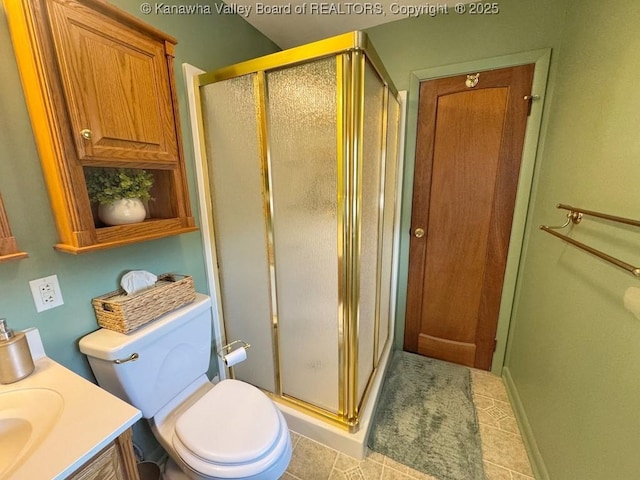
<point>231,424</point>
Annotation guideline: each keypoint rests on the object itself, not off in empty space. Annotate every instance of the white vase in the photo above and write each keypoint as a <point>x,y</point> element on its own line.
<point>122,212</point>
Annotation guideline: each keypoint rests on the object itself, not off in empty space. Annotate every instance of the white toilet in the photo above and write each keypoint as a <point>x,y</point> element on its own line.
<point>230,430</point>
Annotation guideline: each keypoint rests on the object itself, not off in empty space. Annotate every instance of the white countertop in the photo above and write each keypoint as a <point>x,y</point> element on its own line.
<point>91,418</point>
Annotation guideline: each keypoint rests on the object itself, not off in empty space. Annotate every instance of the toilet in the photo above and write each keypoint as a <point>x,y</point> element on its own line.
<point>228,430</point>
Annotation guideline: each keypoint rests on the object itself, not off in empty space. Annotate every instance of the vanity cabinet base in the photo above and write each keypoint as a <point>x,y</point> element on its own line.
<point>115,462</point>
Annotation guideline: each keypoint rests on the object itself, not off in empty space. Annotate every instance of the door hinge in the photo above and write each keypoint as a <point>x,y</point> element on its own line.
<point>495,344</point>
<point>529,99</point>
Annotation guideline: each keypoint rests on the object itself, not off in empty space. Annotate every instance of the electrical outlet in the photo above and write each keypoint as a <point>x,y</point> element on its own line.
<point>46,293</point>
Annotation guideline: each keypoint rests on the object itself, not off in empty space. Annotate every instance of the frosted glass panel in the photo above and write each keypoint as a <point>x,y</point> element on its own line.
<point>370,207</point>
<point>302,141</point>
<point>391,159</point>
<point>236,189</point>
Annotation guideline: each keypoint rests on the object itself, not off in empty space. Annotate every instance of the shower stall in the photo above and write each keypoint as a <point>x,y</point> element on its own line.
<point>300,155</point>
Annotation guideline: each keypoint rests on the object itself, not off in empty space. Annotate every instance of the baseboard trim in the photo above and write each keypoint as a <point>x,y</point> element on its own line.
<point>537,462</point>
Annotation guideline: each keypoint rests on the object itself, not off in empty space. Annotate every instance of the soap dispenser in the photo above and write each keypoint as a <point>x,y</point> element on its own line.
<point>15,356</point>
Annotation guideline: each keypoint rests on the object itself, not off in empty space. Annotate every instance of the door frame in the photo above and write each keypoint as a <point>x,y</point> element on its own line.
<point>541,58</point>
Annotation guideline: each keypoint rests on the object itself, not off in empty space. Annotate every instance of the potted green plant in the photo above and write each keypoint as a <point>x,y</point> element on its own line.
<point>119,193</point>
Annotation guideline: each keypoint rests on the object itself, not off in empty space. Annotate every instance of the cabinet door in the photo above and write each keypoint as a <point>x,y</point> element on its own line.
<point>104,466</point>
<point>115,462</point>
<point>116,87</point>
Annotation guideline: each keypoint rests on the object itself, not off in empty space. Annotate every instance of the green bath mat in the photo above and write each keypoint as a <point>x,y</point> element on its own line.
<point>425,418</point>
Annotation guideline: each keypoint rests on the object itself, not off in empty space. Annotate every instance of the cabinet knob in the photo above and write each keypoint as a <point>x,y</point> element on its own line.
<point>86,134</point>
<point>419,232</point>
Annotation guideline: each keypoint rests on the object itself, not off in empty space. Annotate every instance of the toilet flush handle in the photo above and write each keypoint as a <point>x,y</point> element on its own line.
<point>131,358</point>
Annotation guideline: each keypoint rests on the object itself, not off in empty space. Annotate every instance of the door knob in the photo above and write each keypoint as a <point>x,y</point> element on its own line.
<point>86,134</point>
<point>419,232</point>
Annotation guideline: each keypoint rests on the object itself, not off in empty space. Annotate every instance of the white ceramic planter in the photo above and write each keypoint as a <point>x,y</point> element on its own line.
<point>122,212</point>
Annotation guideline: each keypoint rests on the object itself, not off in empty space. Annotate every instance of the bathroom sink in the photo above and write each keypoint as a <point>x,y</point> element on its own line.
<point>43,420</point>
<point>27,415</point>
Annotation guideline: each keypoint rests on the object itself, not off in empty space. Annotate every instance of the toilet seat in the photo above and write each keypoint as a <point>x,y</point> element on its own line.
<point>245,437</point>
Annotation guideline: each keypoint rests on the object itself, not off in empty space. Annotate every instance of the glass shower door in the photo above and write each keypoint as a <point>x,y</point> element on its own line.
<point>302,115</point>
<point>236,188</point>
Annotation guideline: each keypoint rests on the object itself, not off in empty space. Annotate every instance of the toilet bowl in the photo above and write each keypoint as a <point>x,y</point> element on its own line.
<point>229,430</point>
<point>232,444</point>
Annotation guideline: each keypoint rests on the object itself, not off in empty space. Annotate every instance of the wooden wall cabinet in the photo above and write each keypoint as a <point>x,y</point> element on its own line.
<point>101,92</point>
<point>115,462</point>
<point>8,247</point>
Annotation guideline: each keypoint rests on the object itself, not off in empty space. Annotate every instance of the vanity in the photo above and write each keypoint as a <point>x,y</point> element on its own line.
<point>54,425</point>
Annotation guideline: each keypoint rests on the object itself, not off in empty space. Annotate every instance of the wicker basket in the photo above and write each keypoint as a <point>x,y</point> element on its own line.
<point>125,313</point>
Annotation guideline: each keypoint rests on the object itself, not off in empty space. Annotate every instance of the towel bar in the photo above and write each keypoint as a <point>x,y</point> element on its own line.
<point>575,216</point>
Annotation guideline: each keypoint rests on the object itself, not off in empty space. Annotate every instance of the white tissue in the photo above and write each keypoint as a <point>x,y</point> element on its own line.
<point>632,300</point>
<point>235,357</point>
<point>137,280</point>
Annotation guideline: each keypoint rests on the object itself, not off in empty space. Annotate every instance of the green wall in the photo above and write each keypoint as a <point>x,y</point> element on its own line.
<point>573,358</point>
<point>425,42</point>
<point>206,41</point>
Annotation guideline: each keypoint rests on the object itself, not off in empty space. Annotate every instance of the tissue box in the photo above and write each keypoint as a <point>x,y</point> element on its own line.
<point>125,313</point>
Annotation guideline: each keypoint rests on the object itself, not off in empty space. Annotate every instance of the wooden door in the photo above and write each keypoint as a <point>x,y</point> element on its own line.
<point>116,86</point>
<point>469,146</point>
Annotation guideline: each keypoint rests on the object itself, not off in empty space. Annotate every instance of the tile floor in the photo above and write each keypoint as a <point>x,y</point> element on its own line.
<point>504,454</point>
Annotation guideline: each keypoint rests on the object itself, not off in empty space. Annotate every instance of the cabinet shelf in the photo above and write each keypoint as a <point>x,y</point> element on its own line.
<point>100,90</point>
<point>13,256</point>
<point>111,237</point>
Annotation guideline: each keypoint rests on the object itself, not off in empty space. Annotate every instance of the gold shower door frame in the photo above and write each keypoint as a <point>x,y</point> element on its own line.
<point>352,52</point>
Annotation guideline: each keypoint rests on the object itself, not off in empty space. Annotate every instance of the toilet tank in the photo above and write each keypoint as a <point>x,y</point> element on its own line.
<point>172,352</point>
